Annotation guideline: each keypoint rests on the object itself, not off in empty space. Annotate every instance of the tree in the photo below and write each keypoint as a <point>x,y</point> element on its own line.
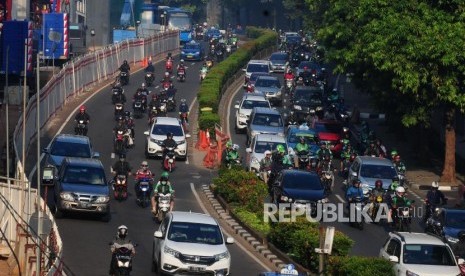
<point>413,48</point>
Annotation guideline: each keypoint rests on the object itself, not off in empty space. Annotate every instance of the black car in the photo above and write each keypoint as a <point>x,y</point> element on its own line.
<point>304,99</point>
<point>447,223</point>
<point>298,187</point>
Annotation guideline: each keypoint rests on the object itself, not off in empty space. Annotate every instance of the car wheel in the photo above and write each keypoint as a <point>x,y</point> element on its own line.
<point>58,213</point>
<point>154,264</point>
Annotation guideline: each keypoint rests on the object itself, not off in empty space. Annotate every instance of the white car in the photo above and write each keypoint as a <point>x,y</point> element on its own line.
<point>190,243</point>
<point>261,143</point>
<point>245,106</point>
<point>256,65</point>
<point>157,134</point>
<point>419,254</point>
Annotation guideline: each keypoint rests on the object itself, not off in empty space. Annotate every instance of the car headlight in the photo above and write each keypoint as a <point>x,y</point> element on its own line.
<point>102,199</point>
<point>197,53</point>
<point>171,252</point>
<point>297,107</point>
<point>278,93</point>
<point>410,273</point>
<point>242,116</point>
<point>451,239</point>
<point>183,53</point>
<point>67,196</point>
<point>284,198</point>
<point>224,255</point>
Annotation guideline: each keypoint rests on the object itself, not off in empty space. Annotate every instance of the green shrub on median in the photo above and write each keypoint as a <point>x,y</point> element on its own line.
<point>210,89</point>
<point>252,220</point>
<point>359,266</point>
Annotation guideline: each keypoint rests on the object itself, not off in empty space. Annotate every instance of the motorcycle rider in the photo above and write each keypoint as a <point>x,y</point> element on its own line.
<point>398,201</point>
<point>181,67</point>
<point>312,118</point>
<point>142,173</point>
<point>125,67</point>
<point>163,186</point>
<point>459,247</point>
<point>265,166</point>
<point>121,167</point>
<point>354,191</point>
<point>121,126</point>
<point>143,89</point>
<point>130,124</point>
<point>120,90</point>
<point>399,165</point>
<point>305,74</point>
<point>330,113</point>
<point>381,148</point>
<point>120,241</point>
<point>375,192</point>
<point>393,154</point>
<point>232,155</point>
<point>168,143</point>
<point>184,108</point>
<point>204,68</point>
<point>166,78</point>
<point>434,198</point>
<point>289,75</point>
<point>150,68</point>
<point>82,116</point>
<point>140,97</point>
<point>372,150</point>
<point>301,147</point>
<point>280,161</point>
<point>346,154</point>
<point>291,119</point>
<point>323,151</point>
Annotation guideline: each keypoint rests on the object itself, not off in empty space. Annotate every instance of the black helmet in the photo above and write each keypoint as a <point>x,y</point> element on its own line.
<point>357,181</point>
<point>169,135</point>
<point>125,62</point>
<point>379,183</point>
<point>120,118</point>
<point>461,236</point>
<point>122,231</point>
<point>122,156</point>
<point>127,113</point>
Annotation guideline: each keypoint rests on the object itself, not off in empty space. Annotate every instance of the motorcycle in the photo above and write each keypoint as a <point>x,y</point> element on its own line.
<point>181,75</point>
<point>144,192</point>
<point>124,78</point>
<point>184,121</point>
<point>119,111</point>
<point>304,160</point>
<point>430,209</point>
<point>165,85</point>
<point>120,187</point>
<point>235,162</point>
<point>289,86</point>
<point>164,203</point>
<point>203,74</point>
<point>228,49</point>
<point>116,96</point>
<point>327,179</point>
<point>376,202</point>
<point>149,78</point>
<point>360,204</point>
<point>219,55</point>
<point>403,218</point>
<point>209,63</point>
<point>120,143</point>
<point>138,109</point>
<point>170,104</point>
<point>169,66</point>
<point>163,108</point>
<point>153,113</point>
<point>123,261</point>
<point>169,162</point>
<point>81,128</point>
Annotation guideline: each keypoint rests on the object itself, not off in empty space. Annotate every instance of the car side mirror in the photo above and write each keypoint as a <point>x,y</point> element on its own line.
<point>158,234</point>
<point>354,174</point>
<point>45,150</point>
<point>394,259</point>
<point>96,155</point>
<point>461,261</point>
<point>248,150</point>
<point>188,135</point>
<point>236,106</point>
<point>229,240</point>
<point>243,69</point>
<point>146,133</point>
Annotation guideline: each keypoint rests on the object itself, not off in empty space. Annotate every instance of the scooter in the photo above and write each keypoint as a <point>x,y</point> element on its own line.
<point>203,74</point>
<point>144,192</point>
<point>81,128</point>
<point>149,78</point>
<point>138,109</point>
<point>360,203</point>
<point>124,78</point>
<point>120,188</point>
<point>164,204</point>
<point>123,261</point>
<point>116,96</point>
<point>181,75</point>
<point>169,66</point>
<point>120,143</point>
<point>169,162</point>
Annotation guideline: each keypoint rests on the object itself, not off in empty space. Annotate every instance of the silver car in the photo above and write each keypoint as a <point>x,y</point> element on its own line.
<point>261,143</point>
<point>279,61</point>
<point>264,121</point>
<point>245,106</point>
<point>369,169</point>
<point>270,87</point>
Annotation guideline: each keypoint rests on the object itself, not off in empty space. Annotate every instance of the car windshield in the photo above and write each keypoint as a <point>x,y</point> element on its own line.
<point>70,149</point>
<point>294,137</point>
<point>262,146</point>
<point>378,171</point>
<point>254,77</point>
<point>84,175</point>
<point>301,181</point>
<point>253,67</point>
<point>278,57</point>
<point>331,128</point>
<point>262,82</point>
<point>191,47</point>
<point>455,220</point>
<point>293,39</point>
<point>195,233</point>
<point>181,22</point>
<point>164,129</point>
<point>306,96</point>
<point>248,104</point>
<point>428,254</point>
<point>273,120</point>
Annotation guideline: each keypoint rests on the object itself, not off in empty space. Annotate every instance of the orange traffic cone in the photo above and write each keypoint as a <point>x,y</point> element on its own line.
<point>144,62</point>
<point>205,142</point>
<point>207,160</point>
<point>200,138</point>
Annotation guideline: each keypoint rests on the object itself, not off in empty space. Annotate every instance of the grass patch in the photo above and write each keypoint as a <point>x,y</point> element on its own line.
<point>252,220</point>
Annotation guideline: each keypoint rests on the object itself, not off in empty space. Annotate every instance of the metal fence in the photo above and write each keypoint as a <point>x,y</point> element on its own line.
<point>77,76</point>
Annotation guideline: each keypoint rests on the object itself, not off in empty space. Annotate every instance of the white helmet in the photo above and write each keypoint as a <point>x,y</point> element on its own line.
<point>167,74</point>
<point>399,190</point>
<point>435,184</point>
<point>182,61</point>
<point>267,152</point>
<point>235,147</point>
<point>144,163</point>
<point>122,231</point>
<point>143,85</point>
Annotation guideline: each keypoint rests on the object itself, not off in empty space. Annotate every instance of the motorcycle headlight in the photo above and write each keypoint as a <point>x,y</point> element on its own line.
<point>67,196</point>
<point>284,198</point>
<point>451,239</point>
<point>102,199</point>
<point>297,107</point>
<point>171,252</point>
<point>224,255</point>
<point>328,176</point>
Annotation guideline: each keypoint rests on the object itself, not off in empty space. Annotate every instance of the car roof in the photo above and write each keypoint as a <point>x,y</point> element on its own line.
<point>258,74</point>
<point>70,138</point>
<point>254,97</point>
<point>268,78</point>
<point>279,54</point>
<point>291,33</point>
<point>298,173</point>
<point>167,121</point>
<point>374,160</point>
<point>309,88</point>
<point>258,61</point>
<point>191,217</point>
<point>270,138</point>
<point>79,161</point>
<point>266,110</point>
<point>417,238</point>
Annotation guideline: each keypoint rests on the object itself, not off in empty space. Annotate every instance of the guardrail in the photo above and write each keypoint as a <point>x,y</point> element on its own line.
<point>77,76</point>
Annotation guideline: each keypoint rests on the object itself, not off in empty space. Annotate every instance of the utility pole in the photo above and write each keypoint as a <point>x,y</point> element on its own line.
<point>6,98</point>
<point>23,147</point>
<point>39,184</point>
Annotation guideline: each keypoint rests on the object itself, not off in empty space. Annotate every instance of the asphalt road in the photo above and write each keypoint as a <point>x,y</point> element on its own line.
<point>367,241</point>
<point>86,238</point>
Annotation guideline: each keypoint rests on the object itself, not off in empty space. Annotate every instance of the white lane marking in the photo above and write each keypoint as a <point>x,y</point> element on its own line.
<point>193,63</point>
<point>156,87</point>
<point>190,108</point>
<point>112,155</point>
<point>236,243</point>
<point>229,110</point>
<point>340,198</point>
<point>69,118</point>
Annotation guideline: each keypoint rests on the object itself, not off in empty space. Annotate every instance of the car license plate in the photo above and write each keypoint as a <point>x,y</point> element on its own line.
<point>196,268</point>
<point>84,205</point>
<point>189,56</point>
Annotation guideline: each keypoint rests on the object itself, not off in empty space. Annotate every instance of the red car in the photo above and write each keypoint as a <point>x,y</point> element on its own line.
<point>331,132</point>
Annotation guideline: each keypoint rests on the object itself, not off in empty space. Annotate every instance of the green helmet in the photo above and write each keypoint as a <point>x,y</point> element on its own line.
<point>280,148</point>
<point>229,144</point>
<point>165,175</point>
<point>394,153</point>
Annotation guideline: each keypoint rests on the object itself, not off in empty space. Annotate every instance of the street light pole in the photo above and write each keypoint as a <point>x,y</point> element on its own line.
<point>39,213</point>
<point>163,22</point>
<point>92,34</point>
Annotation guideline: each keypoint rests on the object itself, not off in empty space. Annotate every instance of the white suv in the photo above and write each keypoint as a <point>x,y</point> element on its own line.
<point>190,243</point>
<point>419,254</point>
<point>157,134</point>
<point>245,106</point>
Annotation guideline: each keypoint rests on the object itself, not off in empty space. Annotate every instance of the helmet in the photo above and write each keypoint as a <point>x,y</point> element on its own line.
<point>125,62</point>
<point>120,118</point>
<point>312,111</point>
<point>183,100</point>
<point>82,108</point>
<point>435,185</point>
<point>182,61</point>
<point>164,176</point>
<point>394,153</point>
<point>229,144</point>
<point>267,152</point>
<point>122,156</point>
<point>143,85</point>
<point>357,181</point>
<point>150,62</point>
<point>127,113</point>
<point>235,147</point>
<point>167,74</point>
<point>400,191</point>
<point>169,135</point>
<point>169,54</point>
<point>144,164</point>
<point>280,148</point>
<point>122,231</point>
<point>379,183</point>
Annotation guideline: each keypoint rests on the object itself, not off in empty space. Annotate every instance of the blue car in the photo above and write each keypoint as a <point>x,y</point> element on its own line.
<point>212,33</point>
<point>192,51</point>
<point>294,133</point>
<point>447,223</point>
